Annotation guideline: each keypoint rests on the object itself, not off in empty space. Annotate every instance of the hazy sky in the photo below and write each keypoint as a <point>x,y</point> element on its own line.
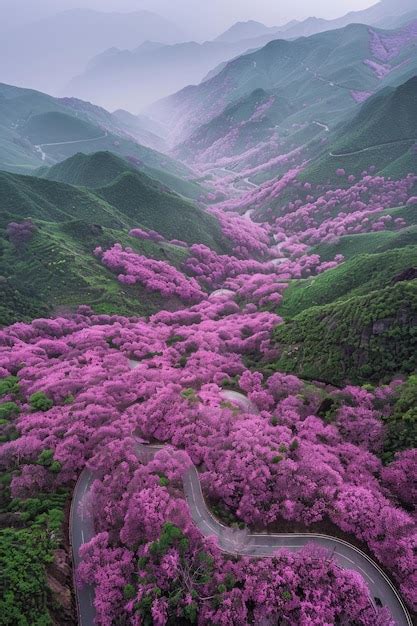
<point>199,17</point>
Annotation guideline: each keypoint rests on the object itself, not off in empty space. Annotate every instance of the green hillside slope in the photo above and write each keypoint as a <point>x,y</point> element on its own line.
<point>29,120</point>
<point>57,270</point>
<point>132,200</point>
<point>382,134</point>
<point>89,170</point>
<point>137,197</point>
<point>100,168</point>
<point>58,127</point>
<point>366,338</point>
<point>358,276</point>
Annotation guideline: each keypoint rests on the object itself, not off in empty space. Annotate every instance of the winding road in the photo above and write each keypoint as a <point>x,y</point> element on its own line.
<point>324,126</point>
<point>39,146</point>
<point>369,148</point>
<point>231,541</point>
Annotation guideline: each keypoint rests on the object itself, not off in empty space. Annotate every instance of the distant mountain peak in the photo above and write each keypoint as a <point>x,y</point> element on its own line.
<point>245,30</point>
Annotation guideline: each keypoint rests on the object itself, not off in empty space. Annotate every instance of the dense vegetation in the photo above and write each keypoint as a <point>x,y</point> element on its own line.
<point>361,275</point>
<point>56,268</point>
<point>31,530</point>
<point>365,338</point>
<point>265,338</point>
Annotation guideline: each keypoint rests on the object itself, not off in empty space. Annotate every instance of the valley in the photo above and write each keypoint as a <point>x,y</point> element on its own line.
<point>208,326</point>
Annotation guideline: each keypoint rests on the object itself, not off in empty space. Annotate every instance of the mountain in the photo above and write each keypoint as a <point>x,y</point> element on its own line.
<point>47,53</point>
<point>57,268</point>
<point>119,196</point>
<point>150,72</point>
<point>89,170</point>
<point>143,130</point>
<point>245,30</point>
<point>323,76</point>
<point>383,133</point>
<point>37,130</point>
<point>384,14</point>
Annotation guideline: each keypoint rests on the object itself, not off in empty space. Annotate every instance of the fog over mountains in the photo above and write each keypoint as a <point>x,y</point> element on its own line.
<point>81,51</point>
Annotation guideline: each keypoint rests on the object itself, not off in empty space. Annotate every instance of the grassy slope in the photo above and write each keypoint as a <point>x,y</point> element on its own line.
<point>367,243</point>
<point>365,338</point>
<point>133,199</point>
<point>55,126</point>
<point>135,196</point>
<point>29,117</point>
<point>384,120</point>
<point>89,170</point>
<point>357,322</point>
<point>390,115</point>
<point>57,268</point>
<point>358,276</point>
<point>100,168</point>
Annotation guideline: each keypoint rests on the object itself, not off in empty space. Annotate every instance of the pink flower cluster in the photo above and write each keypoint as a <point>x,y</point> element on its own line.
<point>360,96</point>
<point>262,108</point>
<point>386,46</point>
<point>159,276</point>
<point>130,507</point>
<point>20,233</point>
<point>213,269</point>
<point>338,212</point>
<point>247,237</point>
<point>380,69</point>
<point>267,191</point>
<point>150,235</point>
<point>300,470</point>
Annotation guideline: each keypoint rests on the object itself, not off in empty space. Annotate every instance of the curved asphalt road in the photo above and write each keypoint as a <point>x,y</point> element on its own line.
<point>81,530</point>
<point>234,542</point>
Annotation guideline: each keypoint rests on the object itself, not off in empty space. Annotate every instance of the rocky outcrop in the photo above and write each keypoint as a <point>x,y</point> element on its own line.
<point>59,582</point>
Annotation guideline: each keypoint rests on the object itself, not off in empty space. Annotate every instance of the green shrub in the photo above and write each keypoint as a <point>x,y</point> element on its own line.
<point>9,385</point>
<point>40,402</point>
<point>8,410</point>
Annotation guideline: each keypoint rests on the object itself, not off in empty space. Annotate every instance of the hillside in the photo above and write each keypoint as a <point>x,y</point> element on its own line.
<point>246,123</point>
<point>56,127</point>
<point>383,133</point>
<point>37,130</point>
<point>367,243</point>
<point>100,168</point>
<point>131,200</point>
<point>57,267</point>
<point>139,198</point>
<point>366,338</point>
<point>361,275</point>
<point>57,272</point>
<point>88,170</point>
<point>322,76</point>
